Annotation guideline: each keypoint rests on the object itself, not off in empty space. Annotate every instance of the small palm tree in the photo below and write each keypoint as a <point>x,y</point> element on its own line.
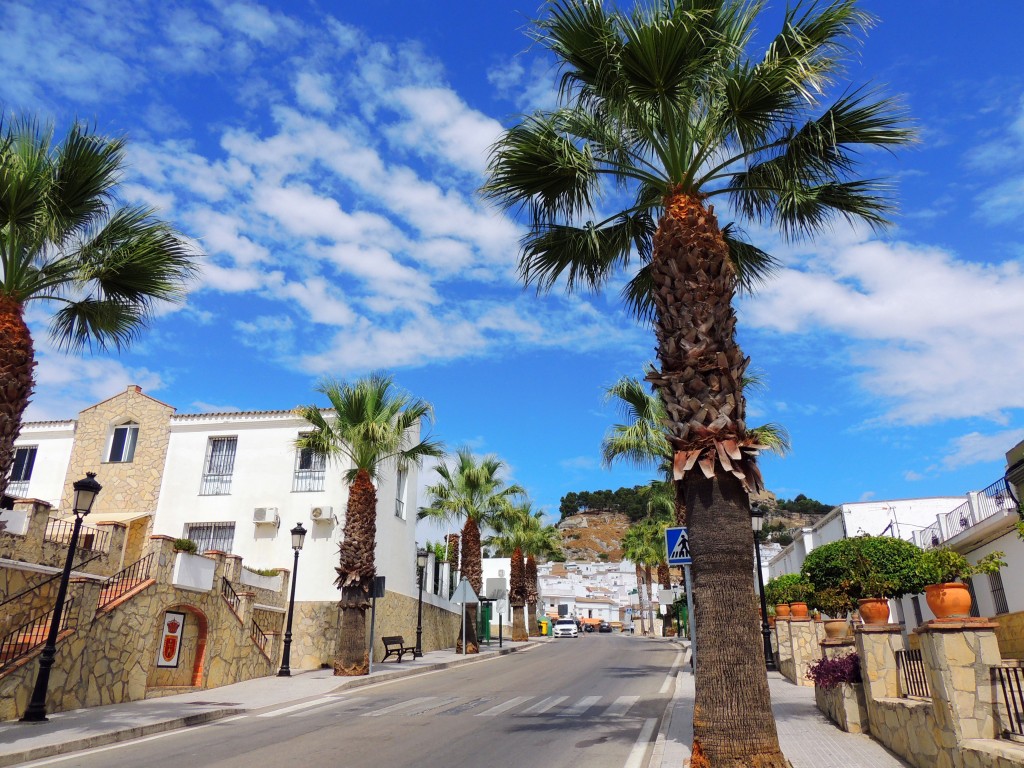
<point>65,242</point>
<point>475,493</point>
<point>543,541</point>
<point>370,425</point>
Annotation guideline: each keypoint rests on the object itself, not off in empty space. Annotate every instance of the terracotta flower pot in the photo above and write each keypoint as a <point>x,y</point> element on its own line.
<point>798,610</point>
<point>836,628</point>
<point>952,600</point>
<point>771,621</point>
<point>782,610</point>
<point>874,610</point>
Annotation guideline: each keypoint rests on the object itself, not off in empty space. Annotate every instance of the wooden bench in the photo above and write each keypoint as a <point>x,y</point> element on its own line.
<point>395,646</point>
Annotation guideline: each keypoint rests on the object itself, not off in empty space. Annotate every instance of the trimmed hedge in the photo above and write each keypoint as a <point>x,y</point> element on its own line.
<point>866,566</point>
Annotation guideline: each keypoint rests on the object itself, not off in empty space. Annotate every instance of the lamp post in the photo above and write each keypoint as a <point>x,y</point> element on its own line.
<point>421,564</point>
<point>86,490</point>
<point>298,536</point>
<point>756,520</point>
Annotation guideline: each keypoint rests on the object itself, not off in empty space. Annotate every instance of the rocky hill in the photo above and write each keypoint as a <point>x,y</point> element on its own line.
<point>593,535</point>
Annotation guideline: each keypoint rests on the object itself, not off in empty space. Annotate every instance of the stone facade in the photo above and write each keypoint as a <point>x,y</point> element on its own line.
<point>132,486</point>
<point>844,705</point>
<point>799,646</point>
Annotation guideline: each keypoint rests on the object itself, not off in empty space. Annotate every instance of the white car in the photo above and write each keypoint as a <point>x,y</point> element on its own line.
<point>565,628</point>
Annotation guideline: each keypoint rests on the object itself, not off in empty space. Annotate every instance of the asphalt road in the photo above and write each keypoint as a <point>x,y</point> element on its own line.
<point>596,701</point>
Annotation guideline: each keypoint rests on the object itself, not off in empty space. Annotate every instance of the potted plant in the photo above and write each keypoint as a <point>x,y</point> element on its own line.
<point>866,568</point>
<point>185,545</point>
<point>836,605</point>
<point>944,572</point>
<point>784,590</point>
<point>798,591</point>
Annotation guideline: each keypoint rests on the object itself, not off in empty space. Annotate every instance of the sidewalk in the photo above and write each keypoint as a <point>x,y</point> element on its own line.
<point>807,737</point>
<point>87,728</point>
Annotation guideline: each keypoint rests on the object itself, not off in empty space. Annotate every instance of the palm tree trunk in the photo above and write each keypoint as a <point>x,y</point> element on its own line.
<point>472,569</point>
<point>531,597</point>
<point>640,597</point>
<point>649,578</point>
<point>355,576</point>
<point>17,360</point>
<point>517,596</point>
<point>700,382</point>
<point>665,582</point>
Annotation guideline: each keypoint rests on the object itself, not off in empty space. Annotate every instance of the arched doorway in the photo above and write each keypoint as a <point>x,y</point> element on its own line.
<point>177,661</point>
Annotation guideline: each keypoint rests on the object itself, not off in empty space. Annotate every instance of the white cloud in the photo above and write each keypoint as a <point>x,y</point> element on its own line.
<point>314,90</point>
<point>974,448</point>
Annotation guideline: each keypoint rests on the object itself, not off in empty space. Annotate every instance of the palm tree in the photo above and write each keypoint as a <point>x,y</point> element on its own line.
<point>543,540</point>
<point>475,493</point>
<point>643,545</point>
<point>370,425</point>
<point>101,268</point>
<point>511,537</point>
<point>665,107</point>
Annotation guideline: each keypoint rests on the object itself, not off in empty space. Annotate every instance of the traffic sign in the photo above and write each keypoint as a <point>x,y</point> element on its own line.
<point>677,544</point>
<point>464,593</point>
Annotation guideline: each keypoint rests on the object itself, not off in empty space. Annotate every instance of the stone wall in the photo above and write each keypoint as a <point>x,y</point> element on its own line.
<point>799,646</point>
<point>1010,635</point>
<point>33,546</point>
<point>36,600</point>
<point>109,655</point>
<point>845,706</point>
<point>127,486</point>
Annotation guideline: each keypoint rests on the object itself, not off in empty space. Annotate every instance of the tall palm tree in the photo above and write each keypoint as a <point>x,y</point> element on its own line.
<point>543,540</point>
<point>370,425</point>
<point>662,111</point>
<point>99,267</point>
<point>511,538</point>
<point>474,492</point>
<point>640,545</point>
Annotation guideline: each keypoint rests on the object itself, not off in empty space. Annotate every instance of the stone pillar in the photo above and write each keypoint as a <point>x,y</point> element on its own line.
<point>841,646</point>
<point>785,646</point>
<point>958,656</point>
<point>245,601</point>
<point>233,567</point>
<point>86,594</point>
<point>220,570</point>
<point>37,513</point>
<point>805,648</point>
<point>115,546</point>
<point>877,646</point>
<point>161,567</point>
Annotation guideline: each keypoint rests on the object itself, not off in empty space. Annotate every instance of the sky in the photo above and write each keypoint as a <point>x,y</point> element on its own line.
<point>326,157</point>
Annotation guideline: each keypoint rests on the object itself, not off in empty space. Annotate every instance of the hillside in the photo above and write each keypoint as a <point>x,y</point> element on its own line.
<point>593,535</point>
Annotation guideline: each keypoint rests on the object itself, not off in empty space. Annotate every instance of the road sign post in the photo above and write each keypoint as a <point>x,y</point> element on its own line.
<point>464,594</point>
<point>677,544</point>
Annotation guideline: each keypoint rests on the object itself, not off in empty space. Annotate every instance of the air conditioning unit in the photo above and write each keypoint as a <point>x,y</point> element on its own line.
<point>266,516</point>
<point>322,514</point>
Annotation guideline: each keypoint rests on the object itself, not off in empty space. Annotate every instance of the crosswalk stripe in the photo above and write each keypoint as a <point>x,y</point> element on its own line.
<point>399,706</point>
<point>621,706</point>
<point>580,706</point>
<point>544,705</point>
<point>495,711</point>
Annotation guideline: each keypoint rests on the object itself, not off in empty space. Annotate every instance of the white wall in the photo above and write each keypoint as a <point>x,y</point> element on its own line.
<point>54,441</point>
<point>262,477</point>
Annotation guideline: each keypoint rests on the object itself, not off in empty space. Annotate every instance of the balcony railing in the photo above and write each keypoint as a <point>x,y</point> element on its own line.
<point>308,480</point>
<point>89,538</point>
<point>996,499</point>
<point>17,489</point>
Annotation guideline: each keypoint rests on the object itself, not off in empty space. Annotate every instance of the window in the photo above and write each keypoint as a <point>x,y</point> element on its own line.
<point>207,536</point>
<point>122,443</point>
<point>309,470</point>
<point>995,583</point>
<point>975,611</point>
<point>220,464</point>
<point>21,471</point>
<point>402,481</point>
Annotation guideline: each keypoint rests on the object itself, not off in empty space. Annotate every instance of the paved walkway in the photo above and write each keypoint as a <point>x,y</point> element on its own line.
<point>80,729</point>
<point>807,737</point>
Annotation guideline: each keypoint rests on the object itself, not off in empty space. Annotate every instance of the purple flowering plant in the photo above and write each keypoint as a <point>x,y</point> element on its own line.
<point>828,673</point>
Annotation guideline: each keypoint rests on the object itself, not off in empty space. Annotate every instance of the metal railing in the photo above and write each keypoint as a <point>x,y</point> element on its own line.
<point>929,537</point>
<point>1011,681</point>
<point>89,538</point>
<point>229,594</point>
<point>31,634</point>
<point>259,636</point>
<point>308,480</point>
<point>43,583</point>
<point>215,485</point>
<point>913,680</point>
<point>125,581</point>
<point>17,489</point>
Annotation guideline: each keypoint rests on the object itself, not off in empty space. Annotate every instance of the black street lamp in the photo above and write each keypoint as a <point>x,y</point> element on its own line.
<point>421,564</point>
<point>756,520</point>
<point>86,490</point>
<point>298,536</point>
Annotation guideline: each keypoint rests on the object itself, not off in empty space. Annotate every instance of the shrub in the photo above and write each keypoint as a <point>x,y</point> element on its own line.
<point>828,673</point>
<point>865,566</point>
<point>943,565</point>
<point>262,571</point>
<point>788,588</point>
<point>186,545</point>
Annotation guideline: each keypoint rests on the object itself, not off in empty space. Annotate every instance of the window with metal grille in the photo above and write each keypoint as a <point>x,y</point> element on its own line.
<point>207,536</point>
<point>122,442</point>
<point>918,616</point>
<point>401,482</point>
<point>219,466</point>
<point>310,468</point>
<point>995,583</point>
<point>975,611</point>
<point>21,471</point>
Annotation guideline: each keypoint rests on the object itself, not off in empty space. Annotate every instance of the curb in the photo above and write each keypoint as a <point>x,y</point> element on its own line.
<point>113,737</point>
<point>201,718</point>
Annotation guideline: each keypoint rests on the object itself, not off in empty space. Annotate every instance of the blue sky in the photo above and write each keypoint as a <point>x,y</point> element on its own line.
<point>326,156</point>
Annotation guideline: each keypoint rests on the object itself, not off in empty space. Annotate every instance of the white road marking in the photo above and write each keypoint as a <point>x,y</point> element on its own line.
<point>544,705</point>
<point>495,711</point>
<point>580,706</point>
<point>298,707</point>
<point>621,706</point>
<point>636,754</point>
<point>399,706</point>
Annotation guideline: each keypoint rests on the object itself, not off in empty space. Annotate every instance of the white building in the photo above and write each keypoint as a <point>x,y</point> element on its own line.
<point>589,590</point>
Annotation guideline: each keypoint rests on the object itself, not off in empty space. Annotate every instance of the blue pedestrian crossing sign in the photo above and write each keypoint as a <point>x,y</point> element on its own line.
<point>677,544</point>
